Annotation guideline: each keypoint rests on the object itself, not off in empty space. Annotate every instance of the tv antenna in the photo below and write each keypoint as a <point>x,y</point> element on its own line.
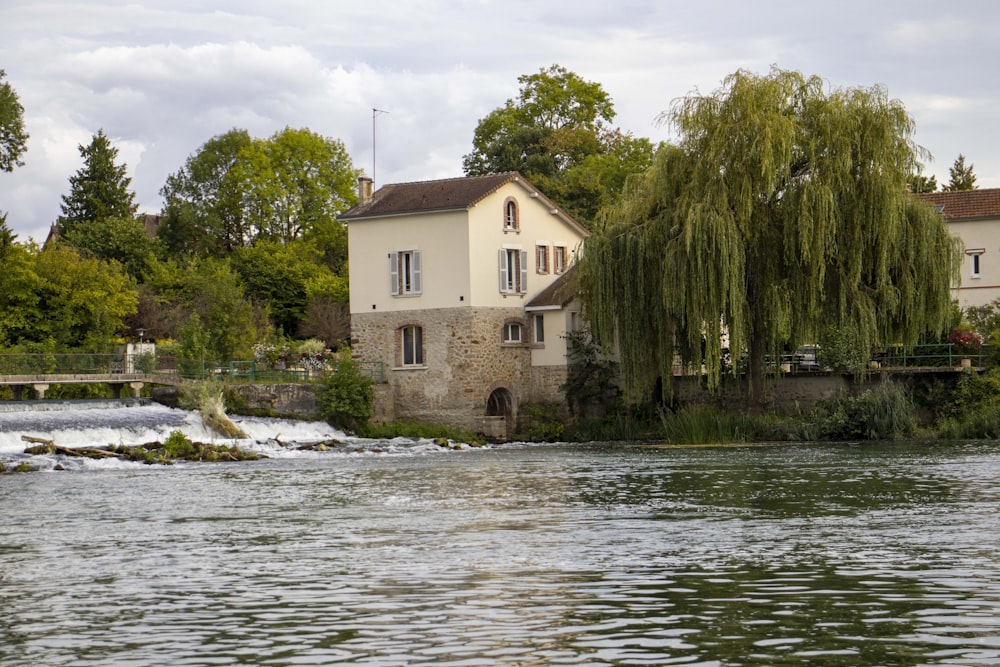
<point>375,113</point>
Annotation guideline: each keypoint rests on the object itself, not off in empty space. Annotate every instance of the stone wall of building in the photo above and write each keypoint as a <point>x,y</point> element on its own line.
<point>546,385</point>
<point>298,400</point>
<point>465,360</point>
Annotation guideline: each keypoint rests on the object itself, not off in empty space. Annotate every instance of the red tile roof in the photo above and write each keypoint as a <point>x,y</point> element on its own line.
<point>965,204</point>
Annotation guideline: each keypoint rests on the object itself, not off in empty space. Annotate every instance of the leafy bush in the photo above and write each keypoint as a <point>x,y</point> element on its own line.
<point>591,379</point>
<point>843,349</point>
<point>346,396</point>
<point>885,412</point>
<point>311,347</point>
<point>177,446</point>
<point>974,392</point>
<point>542,422</point>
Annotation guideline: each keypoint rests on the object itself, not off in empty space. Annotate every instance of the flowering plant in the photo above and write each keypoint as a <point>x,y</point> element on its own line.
<point>965,339</point>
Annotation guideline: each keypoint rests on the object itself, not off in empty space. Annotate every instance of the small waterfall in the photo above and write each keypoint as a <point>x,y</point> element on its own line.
<point>131,422</point>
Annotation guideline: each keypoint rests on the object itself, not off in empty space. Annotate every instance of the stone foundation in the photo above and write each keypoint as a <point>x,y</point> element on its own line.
<point>465,361</point>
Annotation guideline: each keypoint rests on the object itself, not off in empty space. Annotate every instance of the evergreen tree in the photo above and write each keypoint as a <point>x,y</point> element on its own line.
<point>99,190</point>
<point>781,209</point>
<point>961,177</point>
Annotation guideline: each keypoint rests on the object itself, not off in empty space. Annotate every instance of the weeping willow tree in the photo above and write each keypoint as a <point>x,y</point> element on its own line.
<point>780,209</point>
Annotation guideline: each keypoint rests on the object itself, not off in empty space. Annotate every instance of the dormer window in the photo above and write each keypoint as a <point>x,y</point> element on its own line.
<point>511,223</point>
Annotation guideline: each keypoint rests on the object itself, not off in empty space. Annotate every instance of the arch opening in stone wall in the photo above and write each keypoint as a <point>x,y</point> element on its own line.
<point>501,404</point>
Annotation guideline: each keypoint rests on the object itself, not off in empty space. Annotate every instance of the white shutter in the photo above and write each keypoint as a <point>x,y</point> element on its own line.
<point>394,273</point>
<point>523,287</point>
<point>503,271</point>
<point>415,264</point>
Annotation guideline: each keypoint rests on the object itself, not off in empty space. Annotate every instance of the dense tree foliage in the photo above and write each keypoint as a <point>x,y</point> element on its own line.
<point>203,211</point>
<point>237,190</point>
<point>99,190</point>
<point>558,134</point>
<point>961,177</point>
<point>55,295</point>
<point>13,136</point>
<point>918,183</point>
<point>123,240</point>
<point>781,208</point>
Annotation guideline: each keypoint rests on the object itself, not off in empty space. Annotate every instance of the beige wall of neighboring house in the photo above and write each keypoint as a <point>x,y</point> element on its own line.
<point>441,273</point>
<point>974,217</point>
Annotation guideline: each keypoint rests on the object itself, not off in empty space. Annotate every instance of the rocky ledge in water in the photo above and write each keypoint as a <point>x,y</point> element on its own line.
<point>177,447</point>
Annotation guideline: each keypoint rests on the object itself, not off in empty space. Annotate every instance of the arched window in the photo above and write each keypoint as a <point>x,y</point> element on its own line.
<point>411,345</point>
<point>511,223</point>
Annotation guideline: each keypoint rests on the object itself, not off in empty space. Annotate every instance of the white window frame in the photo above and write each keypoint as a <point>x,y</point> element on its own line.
<point>513,263</point>
<point>511,216</point>
<point>538,329</point>
<point>513,333</point>
<point>542,257</point>
<point>977,265</point>
<point>405,275</point>
<point>559,259</point>
<point>411,352</point>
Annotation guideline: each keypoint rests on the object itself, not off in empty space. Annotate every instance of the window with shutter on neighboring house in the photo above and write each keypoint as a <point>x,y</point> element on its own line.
<point>513,271</point>
<point>404,273</point>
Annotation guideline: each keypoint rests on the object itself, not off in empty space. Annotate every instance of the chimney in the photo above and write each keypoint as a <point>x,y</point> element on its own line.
<point>365,186</point>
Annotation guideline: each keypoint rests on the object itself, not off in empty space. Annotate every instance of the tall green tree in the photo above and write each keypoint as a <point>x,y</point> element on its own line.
<point>558,134</point>
<point>99,190</point>
<point>276,275</point>
<point>961,177</point>
<point>204,205</point>
<point>781,208</point>
<point>13,136</point>
<point>236,190</point>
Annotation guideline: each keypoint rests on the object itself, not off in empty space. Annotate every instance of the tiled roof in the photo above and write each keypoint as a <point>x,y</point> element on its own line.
<point>425,196</point>
<point>559,293</point>
<point>965,204</point>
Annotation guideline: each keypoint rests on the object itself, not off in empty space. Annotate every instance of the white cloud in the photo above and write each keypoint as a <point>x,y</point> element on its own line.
<point>162,78</point>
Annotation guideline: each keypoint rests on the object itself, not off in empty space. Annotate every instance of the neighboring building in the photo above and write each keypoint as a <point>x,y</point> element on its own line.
<point>455,288</point>
<point>974,217</point>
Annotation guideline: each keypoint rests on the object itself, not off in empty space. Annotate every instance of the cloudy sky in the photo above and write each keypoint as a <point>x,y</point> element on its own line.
<point>161,78</point>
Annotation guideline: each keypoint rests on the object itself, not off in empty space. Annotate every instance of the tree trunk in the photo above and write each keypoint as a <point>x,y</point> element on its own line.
<point>755,381</point>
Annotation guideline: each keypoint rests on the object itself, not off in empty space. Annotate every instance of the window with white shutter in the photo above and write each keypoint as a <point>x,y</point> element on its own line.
<point>404,273</point>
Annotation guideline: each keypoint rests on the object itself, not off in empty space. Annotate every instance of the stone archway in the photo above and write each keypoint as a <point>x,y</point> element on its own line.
<point>501,404</point>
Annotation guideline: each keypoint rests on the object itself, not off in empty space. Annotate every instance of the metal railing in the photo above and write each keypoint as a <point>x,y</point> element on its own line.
<point>67,364</point>
<point>934,355</point>
<point>110,364</point>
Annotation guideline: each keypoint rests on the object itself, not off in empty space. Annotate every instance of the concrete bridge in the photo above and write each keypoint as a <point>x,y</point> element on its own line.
<point>40,383</point>
<point>38,372</point>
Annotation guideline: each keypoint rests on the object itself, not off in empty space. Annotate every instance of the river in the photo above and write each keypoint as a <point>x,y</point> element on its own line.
<point>404,553</point>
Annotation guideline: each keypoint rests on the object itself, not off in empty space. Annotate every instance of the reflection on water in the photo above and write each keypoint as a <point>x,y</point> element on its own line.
<point>832,555</point>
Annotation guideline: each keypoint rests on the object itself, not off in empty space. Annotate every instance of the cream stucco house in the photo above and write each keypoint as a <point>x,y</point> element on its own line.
<point>974,217</point>
<point>455,288</point>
